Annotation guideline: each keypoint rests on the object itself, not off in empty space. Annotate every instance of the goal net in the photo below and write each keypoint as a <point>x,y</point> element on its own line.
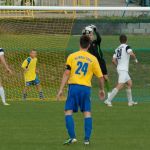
<point>55,31</point>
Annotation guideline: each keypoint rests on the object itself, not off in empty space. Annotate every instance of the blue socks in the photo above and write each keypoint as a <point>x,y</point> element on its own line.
<point>88,127</point>
<point>70,126</point>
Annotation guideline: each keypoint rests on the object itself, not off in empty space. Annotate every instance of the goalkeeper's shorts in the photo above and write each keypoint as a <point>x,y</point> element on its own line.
<point>33,82</point>
<point>78,97</point>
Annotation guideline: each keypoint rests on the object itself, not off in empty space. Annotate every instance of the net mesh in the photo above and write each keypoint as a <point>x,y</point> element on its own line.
<point>49,32</point>
<point>49,36</point>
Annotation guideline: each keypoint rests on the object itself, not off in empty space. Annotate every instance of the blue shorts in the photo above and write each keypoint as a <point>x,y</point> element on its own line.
<point>78,96</point>
<point>34,82</point>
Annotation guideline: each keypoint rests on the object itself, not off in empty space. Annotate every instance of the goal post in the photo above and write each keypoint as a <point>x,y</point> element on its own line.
<point>54,32</point>
<point>76,8</point>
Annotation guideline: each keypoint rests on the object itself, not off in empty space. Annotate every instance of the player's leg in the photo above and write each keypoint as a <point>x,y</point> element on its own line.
<point>27,84</point>
<point>70,107</point>
<point>113,94</point>
<point>105,73</point>
<point>70,127</point>
<point>121,81</point>
<point>107,84</point>
<point>87,127</point>
<point>2,94</point>
<point>129,93</point>
<point>38,87</point>
<point>85,106</point>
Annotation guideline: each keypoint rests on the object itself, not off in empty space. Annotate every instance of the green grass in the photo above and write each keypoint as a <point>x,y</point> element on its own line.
<point>110,42</point>
<point>40,126</point>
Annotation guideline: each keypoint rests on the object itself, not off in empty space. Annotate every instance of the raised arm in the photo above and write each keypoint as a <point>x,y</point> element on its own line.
<point>98,37</point>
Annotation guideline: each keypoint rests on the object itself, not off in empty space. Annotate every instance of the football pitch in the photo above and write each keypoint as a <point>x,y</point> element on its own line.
<point>41,126</point>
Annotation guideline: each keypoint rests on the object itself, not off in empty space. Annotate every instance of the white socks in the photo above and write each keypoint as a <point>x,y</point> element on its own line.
<point>2,94</point>
<point>129,95</point>
<point>112,94</point>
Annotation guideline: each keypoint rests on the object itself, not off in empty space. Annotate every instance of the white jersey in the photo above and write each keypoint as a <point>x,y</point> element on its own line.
<point>123,57</point>
<point>1,52</point>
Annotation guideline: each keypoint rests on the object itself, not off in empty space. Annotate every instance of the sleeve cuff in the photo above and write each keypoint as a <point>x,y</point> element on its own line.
<point>1,53</point>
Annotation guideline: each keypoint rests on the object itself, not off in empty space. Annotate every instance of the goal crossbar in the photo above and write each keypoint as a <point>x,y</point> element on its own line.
<point>74,8</point>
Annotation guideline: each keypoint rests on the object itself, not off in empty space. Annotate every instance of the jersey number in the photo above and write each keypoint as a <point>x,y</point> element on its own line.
<point>119,53</point>
<point>82,67</point>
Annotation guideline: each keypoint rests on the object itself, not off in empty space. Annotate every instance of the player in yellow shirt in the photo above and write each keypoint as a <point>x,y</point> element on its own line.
<point>80,67</point>
<point>30,74</point>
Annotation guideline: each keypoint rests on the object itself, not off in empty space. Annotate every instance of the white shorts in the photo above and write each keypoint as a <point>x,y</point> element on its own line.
<point>123,76</point>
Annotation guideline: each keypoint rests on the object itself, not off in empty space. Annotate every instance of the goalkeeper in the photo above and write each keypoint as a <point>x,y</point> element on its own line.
<point>95,50</point>
<point>30,74</point>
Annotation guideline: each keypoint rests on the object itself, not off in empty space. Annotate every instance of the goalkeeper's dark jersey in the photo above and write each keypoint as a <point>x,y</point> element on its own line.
<point>97,52</point>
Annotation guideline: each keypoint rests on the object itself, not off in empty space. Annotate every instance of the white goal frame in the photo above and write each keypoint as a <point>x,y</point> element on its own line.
<point>74,8</point>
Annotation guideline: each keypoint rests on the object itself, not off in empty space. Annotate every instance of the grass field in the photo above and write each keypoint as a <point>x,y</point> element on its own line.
<point>40,126</point>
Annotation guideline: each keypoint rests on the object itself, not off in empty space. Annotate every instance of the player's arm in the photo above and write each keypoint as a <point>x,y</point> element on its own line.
<point>114,60</point>
<point>65,78</point>
<point>98,37</point>
<point>97,71</point>
<point>132,54</point>
<point>3,61</point>
<point>24,66</point>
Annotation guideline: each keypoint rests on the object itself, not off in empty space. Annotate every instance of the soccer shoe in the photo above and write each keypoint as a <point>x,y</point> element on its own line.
<point>70,141</point>
<point>132,103</point>
<point>86,142</point>
<point>6,104</point>
<point>109,104</point>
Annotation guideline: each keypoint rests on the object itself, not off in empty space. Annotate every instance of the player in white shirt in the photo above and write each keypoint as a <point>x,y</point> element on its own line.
<point>121,59</point>
<point>3,61</point>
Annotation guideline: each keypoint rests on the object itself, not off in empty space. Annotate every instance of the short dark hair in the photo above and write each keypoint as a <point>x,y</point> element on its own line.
<point>84,41</point>
<point>123,38</point>
<point>32,50</point>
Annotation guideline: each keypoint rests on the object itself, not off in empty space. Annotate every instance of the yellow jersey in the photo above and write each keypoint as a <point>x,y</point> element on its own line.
<point>82,66</point>
<point>30,65</point>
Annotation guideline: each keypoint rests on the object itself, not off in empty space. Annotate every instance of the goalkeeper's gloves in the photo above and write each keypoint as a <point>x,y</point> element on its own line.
<point>87,30</point>
<point>93,27</point>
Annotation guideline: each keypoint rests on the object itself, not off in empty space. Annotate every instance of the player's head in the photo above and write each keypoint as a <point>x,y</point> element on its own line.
<point>89,32</point>
<point>85,42</point>
<point>33,53</point>
<point>123,38</point>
